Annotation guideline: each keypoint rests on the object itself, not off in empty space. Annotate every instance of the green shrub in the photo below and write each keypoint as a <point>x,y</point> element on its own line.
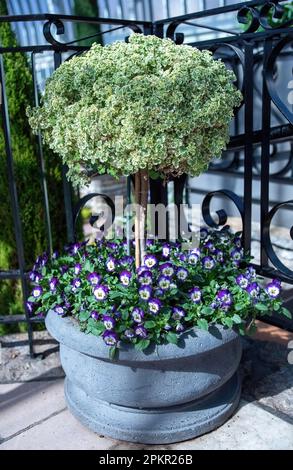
<point>19,89</point>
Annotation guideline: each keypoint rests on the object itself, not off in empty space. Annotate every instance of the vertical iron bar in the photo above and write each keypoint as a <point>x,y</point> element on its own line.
<point>42,163</point>
<point>265,156</point>
<point>248,147</point>
<point>14,202</point>
<point>66,185</point>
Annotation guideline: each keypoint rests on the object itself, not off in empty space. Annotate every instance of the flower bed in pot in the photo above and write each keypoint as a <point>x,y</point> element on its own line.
<point>151,354</point>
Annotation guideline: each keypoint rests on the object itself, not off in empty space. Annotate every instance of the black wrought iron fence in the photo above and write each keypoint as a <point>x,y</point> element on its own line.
<point>264,44</point>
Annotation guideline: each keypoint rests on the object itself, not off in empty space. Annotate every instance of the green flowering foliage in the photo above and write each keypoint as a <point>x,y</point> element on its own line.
<point>170,293</point>
<point>147,104</point>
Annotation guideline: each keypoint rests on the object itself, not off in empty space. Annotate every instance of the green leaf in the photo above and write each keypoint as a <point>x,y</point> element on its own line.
<point>228,321</point>
<point>261,307</point>
<point>31,299</point>
<point>238,307</point>
<point>143,344</point>
<point>172,338</point>
<point>202,324</point>
<point>154,175</point>
<point>206,310</point>
<point>98,330</point>
<point>125,315</point>
<point>84,316</point>
<point>237,319</point>
<point>150,324</point>
<point>286,312</point>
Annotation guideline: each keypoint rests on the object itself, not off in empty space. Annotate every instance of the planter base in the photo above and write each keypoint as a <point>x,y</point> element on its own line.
<point>155,426</point>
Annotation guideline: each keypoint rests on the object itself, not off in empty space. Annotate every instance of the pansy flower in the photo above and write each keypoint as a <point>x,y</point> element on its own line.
<point>110,338</point>
<point>30,306</point>
<point>219,255</point>
<point>167,269</point>
<point>166,250</point>
<point>193,258</point>
<point>154,306</point>
<point>145,292</point>
<point>129,333</point>
<point>100,292</point>
<point>59,309</point>
<point>77,268</point>
<point>76,283</point>
<point>37,291</point>
<point>145,278</point>
<point>150,261</point>
<point>53,283</point>
<point>236,254</point>
<point>179,328</point>
<point>253,289</point>
<point>141,331</point>
<point>208,262</point>
<point>195,295</point>
<point>242,281</point>
<point>164,282</point>
<point>111,264</point>
<point>224,297</point>
<point>125,277</point>
<point>95,315</point>
<point>178,313</point>
<point>94,278</point>
<point>137,315</point>
<point>273,289</point>
<point>181,274</point>
<point>109,322</point>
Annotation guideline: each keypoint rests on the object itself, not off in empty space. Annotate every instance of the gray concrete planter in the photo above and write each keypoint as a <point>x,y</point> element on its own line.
<point>165,394</point>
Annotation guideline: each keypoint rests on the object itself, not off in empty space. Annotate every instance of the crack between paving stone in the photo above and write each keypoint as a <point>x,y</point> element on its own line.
<point>36,423</point>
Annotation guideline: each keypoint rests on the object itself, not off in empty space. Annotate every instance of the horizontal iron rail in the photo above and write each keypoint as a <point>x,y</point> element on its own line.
<point>72,19</point>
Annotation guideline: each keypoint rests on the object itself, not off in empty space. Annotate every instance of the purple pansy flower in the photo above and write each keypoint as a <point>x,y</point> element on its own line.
<point>242,281</point>
<point>273,289</point>
<point>193,258</point>
<point>253,289</point>
<point>145,277</point>
<point>166,250</point>
<point>208,262</point>
<point>167,327</point>
<point>76,283</point>
<point>77,268</point>
<point>137,315</point>
<point>209,246</point>
<point>64,269</point>
<point>141,331</point>
<point>37,291</point>
<point>32,275</point>
<point>126,260</point>
<point>110,338</point>
<point>236,254</point>
<point>129,333</point>
<point>182,257</point>
<point>100,292</point>
<point>181,274</point>
<point>30,306</point>
<point>224,296</point>
<point>150,261</point>
<point>149,242</point>
<point>219,255</point>
<point>237,242</point>
<point>95,315</point>
<point>125,277</point>
<point>250,272</point>
<point>145,292</point>
<point>178,313</point>
<point>94,278</point>
<point>164,282</point>
<point>112,246</point>
<point>59,310</point>
<point>111,264</point>
<point>154,306</point>
<point>53,283</point>
<point>195,295</point>
<point>108,322</point>
<point>167,269</point>
<point>179,328</point>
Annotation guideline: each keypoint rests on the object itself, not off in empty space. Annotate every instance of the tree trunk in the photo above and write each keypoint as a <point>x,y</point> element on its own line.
<point>141,200</point>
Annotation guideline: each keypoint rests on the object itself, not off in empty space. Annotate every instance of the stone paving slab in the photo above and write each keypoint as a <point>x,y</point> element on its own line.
<point>35,418</point>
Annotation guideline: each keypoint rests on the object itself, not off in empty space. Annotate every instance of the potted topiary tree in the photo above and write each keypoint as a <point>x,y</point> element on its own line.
<point>167,317</point>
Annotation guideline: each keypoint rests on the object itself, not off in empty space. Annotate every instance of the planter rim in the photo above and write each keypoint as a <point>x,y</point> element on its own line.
<point>191,342</point>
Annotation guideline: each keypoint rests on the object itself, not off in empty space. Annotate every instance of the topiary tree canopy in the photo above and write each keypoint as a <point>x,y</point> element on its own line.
<point>131,108</point>
<point>148,104</point>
